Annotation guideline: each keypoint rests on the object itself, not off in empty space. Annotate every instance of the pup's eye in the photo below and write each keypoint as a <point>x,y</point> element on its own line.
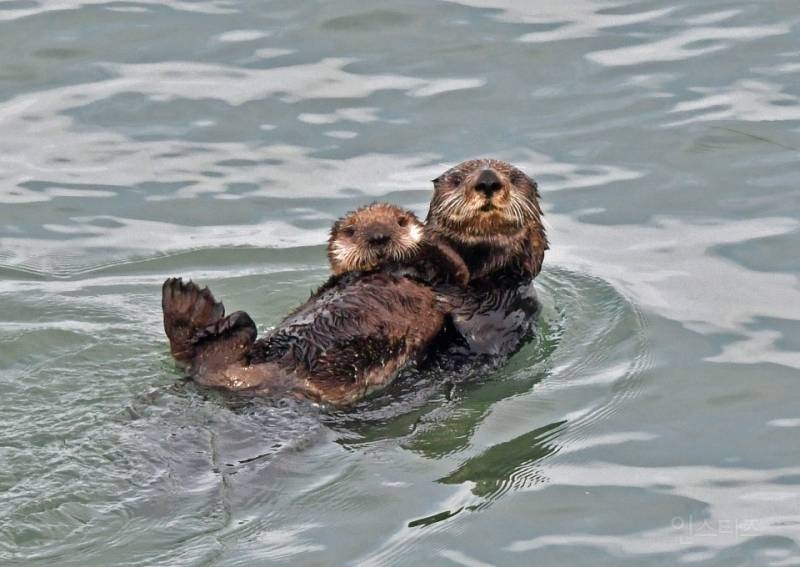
<point>403,221</point>
<point>349,231</point>
<point>456,179</point>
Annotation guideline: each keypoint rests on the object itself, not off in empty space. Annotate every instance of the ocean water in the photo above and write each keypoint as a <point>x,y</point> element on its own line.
<point>655,420</point>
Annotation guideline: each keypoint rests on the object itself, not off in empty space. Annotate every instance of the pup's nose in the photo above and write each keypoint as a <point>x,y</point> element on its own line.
<point>488,183</point>
<point>379,239</point>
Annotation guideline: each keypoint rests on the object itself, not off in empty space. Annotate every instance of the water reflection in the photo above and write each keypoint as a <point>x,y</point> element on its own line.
<point>509,465</point>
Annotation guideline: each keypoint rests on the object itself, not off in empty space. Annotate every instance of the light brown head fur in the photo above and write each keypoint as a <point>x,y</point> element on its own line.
<point>488,210</point>
<point>373,236</point>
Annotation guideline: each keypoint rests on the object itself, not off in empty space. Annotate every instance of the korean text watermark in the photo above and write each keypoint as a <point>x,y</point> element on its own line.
<point>695,531</point>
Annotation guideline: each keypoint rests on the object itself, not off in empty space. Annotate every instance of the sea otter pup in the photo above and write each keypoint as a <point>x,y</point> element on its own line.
<point>383,236</point>
<point>488,211</point>
<point>377,314</point>
<point>365,239</point>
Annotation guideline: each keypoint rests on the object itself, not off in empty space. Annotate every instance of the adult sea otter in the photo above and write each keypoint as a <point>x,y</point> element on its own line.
<point>488,211</point>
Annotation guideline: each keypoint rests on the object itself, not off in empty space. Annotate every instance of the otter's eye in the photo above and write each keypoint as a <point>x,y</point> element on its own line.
<point>403,221</point>
<point>349,231</point>
<point>456,179</point>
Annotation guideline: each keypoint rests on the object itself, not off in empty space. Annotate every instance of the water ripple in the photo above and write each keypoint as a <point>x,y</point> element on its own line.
<point>684,44</point>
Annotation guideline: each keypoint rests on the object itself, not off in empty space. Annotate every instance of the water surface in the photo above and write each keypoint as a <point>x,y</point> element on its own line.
<point>654,422</point>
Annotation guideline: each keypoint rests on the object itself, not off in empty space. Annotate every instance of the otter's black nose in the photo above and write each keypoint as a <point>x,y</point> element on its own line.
<point>488,183</point>
<point>379,239</point>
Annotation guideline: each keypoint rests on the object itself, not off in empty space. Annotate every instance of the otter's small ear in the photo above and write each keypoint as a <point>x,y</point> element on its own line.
<point>522,176</point>
<point>437,180</point>
<point>528,178</point>
<point>535,186</point>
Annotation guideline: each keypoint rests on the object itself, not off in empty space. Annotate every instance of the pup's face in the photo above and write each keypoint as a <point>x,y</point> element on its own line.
<point>372,236</point>
<point>483,200</point>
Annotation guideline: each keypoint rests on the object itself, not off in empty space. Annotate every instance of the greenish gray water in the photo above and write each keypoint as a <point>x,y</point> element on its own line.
<point>655,421</point>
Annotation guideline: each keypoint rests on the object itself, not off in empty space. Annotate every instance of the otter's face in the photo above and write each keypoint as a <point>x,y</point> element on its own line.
<point>372,236</point>
<point>482,200</point>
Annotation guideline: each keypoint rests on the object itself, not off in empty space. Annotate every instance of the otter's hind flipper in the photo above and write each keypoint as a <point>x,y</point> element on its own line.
<point>187,310</point>
<point>223,343</point>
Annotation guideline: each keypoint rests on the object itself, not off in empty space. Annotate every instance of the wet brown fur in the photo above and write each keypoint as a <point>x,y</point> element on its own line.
<point>371,236</point>
<point>498,233</point>
<point>347,340</point>
<point>405,249</point>
<point>361,328</point>
<point>500,236</point>
<point>376,315</point>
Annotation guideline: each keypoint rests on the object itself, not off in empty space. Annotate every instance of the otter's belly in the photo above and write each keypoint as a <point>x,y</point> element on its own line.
<point>353,337</point>
<point>493,322</point>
